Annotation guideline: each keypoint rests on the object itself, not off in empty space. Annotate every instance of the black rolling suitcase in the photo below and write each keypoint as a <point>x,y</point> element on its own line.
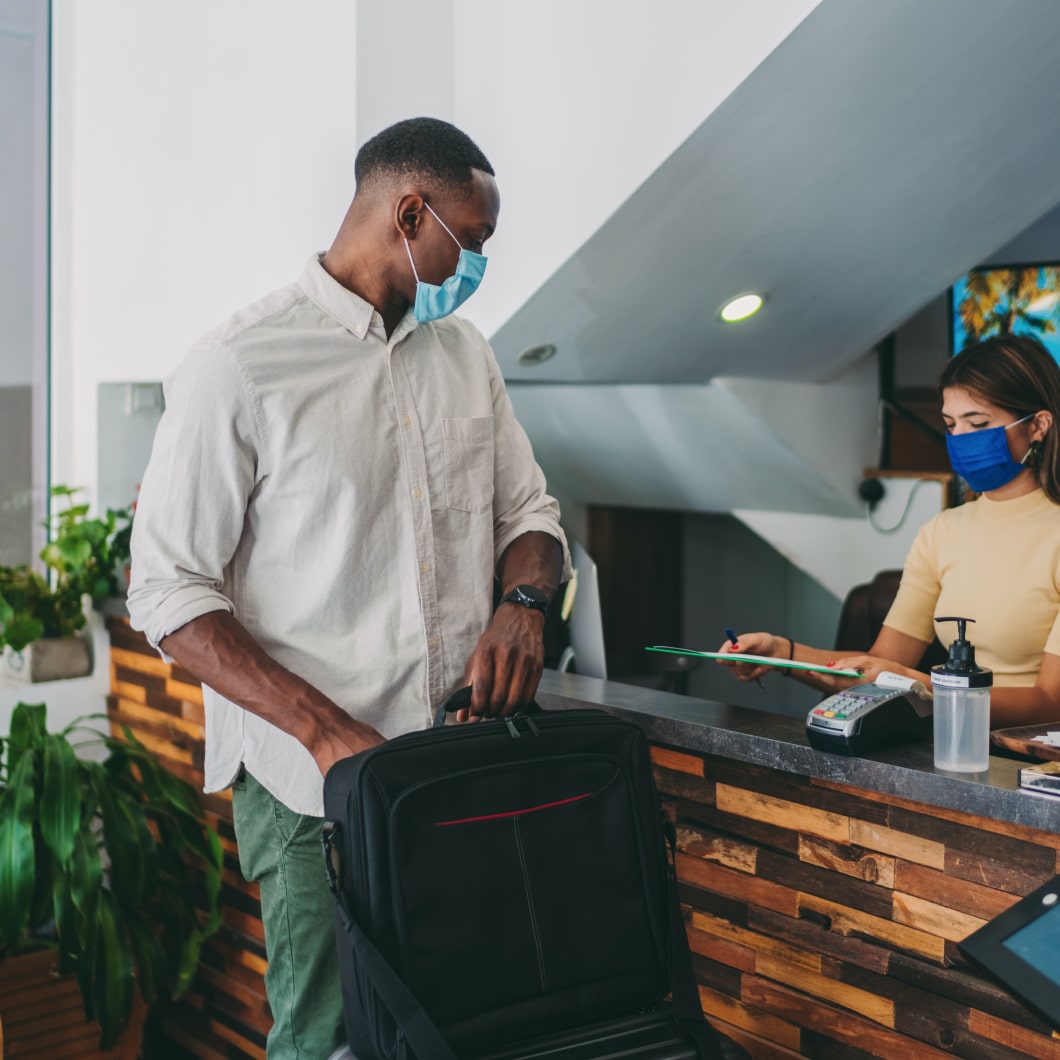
<point>504,892</point>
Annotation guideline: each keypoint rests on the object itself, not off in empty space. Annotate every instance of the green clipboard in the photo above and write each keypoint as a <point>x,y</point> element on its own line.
<point>760,660</point>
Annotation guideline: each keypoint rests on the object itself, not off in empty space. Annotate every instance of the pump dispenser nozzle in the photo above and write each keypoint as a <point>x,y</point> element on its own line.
<point>962,652</point>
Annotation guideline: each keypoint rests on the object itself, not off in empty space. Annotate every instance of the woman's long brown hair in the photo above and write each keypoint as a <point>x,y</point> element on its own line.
<point>1018,374</point>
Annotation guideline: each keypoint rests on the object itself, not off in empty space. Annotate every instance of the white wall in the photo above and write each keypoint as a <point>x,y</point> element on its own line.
<point>841,553</point>
<point>202,152</point>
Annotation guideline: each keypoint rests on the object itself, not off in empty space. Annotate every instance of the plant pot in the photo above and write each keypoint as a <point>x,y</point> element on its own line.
<point>48,659</point>
<point>43,1015</point>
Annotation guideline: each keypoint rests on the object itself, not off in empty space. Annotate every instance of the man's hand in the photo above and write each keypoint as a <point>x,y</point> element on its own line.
<point>505,667</point>
<point>342,736</point>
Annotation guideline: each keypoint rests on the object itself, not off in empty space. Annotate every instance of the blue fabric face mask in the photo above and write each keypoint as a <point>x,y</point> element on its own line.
<point>982,458</point>
<point>435,301</point>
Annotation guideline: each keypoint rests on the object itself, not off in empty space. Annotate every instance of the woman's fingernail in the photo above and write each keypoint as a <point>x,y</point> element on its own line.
<point>831,664</point>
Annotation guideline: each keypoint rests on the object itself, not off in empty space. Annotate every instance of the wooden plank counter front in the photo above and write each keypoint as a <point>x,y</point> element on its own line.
<point>823,915</point>
<point>826,919</point>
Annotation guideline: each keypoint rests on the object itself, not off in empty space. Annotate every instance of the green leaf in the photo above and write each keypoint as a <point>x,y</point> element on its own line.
<point>189,961</point>
<point>67,924</point>
<point>75,552</point>
<point>86,874</point>
<point>129,842</point>
<point>28,725</point>
<point>179,794</point>
<point>17,856</point>
<point>60,804</point>
<point>22,630</point>
<point>112,986</point>
<point>150,960</point>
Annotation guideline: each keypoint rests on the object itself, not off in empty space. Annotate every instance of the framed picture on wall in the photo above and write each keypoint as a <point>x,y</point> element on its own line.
<point>1007,299</point>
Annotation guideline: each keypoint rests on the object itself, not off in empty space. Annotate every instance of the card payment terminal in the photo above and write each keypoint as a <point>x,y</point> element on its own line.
<point>864,716</point>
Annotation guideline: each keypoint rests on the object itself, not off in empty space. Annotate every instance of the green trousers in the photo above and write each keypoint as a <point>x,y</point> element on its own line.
<point>280,850</point>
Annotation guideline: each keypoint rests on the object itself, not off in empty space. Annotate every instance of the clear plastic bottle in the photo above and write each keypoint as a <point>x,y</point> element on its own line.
<point>961,709</point>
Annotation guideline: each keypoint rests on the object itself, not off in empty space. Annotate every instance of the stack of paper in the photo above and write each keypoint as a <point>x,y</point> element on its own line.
<point>1043,778</point>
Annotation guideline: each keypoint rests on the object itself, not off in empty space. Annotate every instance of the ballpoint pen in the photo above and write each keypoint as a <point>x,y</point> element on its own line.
<point>735,642</point>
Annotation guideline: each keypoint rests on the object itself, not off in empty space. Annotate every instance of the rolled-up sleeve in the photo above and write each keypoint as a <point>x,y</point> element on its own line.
<point>520,501</point>
<point>206,459</point>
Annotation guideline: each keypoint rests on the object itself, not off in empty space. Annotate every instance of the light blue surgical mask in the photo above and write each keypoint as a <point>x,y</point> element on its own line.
<point>982,458</point>
<point>435,301</point>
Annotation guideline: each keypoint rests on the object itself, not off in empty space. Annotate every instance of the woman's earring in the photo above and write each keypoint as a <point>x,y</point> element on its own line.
<point>1033,456</point>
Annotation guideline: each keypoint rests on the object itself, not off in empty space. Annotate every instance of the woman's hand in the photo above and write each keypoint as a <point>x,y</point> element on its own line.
<point>870,667</point>
<point>753,644</point>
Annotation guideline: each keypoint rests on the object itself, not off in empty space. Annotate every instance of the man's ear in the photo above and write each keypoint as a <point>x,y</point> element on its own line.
<point>408,215</point>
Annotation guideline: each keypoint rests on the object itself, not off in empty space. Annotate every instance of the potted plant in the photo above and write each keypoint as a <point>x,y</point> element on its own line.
<point>88,554</point>
<point>38,627</point>
<point>108,864</point>
<point>88,557</point>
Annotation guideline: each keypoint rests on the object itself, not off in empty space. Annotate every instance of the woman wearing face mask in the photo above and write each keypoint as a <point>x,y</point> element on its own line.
<point>995,559</point>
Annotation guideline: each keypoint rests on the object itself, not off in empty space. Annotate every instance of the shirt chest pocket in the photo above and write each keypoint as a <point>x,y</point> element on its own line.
<point>468,463</point>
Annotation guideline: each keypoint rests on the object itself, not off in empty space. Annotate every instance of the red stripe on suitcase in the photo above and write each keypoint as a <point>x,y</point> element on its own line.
<point>513,813</point>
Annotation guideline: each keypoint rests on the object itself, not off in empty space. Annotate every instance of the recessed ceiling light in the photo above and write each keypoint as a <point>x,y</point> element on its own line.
<point>741,307</point>
<point>537,354</point>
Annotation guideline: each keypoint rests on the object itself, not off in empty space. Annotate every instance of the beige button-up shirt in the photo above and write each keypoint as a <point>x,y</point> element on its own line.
<point>347,498</point>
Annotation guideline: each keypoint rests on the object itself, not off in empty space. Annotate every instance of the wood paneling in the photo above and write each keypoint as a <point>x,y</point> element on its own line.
<point>823,919</point>
<point>225,1016</point>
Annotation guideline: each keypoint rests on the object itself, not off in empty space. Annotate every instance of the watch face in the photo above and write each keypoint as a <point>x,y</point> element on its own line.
<point>528,596</point>
<point>533,594</point>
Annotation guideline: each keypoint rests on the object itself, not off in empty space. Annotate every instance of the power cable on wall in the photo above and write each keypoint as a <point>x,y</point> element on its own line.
<point>871,490</point>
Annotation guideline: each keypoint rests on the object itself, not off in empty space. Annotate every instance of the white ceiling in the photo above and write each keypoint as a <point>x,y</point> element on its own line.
<point>878,153</point>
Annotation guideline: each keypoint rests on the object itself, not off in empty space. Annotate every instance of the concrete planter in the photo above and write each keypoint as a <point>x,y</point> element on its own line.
<point>49,659</point>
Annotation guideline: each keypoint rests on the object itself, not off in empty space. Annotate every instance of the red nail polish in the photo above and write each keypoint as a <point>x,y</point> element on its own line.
<point>831,664</point>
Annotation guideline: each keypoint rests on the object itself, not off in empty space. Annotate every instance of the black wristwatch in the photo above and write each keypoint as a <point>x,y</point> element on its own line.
<point>527,596</point>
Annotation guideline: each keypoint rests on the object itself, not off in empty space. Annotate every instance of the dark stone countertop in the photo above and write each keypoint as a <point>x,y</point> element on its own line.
<point>779,742</point>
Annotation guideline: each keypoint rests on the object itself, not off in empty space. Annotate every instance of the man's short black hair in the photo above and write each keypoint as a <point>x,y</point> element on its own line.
<point>427,149</point>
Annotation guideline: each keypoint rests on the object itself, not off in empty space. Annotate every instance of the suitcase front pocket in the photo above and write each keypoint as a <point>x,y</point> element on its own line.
<point>520,882</point>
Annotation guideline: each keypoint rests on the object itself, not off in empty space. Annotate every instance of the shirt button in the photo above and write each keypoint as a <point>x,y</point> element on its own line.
<point>406,421</point>
<point>417,493</point>
<point>425,567</point>
<point>433,642</point>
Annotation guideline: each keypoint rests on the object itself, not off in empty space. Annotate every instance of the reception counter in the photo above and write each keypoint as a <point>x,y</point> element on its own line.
<point>824,895</point>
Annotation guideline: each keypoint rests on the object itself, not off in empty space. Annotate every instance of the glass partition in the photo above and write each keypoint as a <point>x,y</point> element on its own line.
<point>24,128</point>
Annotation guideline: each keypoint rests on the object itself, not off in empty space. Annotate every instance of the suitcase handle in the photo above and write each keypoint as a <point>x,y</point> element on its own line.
<point>461,700</point>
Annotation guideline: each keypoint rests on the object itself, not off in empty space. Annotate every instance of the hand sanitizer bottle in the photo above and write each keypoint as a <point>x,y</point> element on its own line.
<point>961,692</point>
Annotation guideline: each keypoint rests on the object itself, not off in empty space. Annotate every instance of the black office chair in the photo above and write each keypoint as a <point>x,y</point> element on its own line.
<point>862,616</point>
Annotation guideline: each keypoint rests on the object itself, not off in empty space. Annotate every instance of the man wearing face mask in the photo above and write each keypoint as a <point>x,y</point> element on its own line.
<point>336,483</point>
<point>994,559</point>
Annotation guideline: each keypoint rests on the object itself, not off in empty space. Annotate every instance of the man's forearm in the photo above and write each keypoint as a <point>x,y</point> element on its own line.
<point>219,651</point>
<point>533,558</point>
